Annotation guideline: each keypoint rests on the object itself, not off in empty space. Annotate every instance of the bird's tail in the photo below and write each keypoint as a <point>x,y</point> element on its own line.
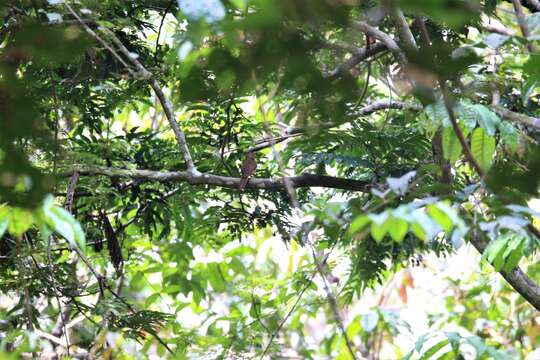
<point>243,183</point>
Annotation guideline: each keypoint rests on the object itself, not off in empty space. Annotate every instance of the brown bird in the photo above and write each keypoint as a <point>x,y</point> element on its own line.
<point>248,169</point>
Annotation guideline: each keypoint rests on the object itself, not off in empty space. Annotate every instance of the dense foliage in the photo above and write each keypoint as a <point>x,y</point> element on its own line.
<point>383,132</point>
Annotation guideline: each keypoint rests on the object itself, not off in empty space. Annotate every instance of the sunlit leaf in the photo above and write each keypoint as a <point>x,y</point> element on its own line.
<point>482,148</point>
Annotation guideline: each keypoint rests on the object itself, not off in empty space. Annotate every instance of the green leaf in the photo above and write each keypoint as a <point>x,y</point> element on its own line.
<point>358,224</point>
<point>482,148</point>
<point>3,226</point>
<point>513,252</point>
<point>533,23</point>
<point>397,228</point>
<point>63,223</point>
<point>369,321</point>
<point>424,226</point>
<point>379,231</point>
<point>215,278</point>
<point>19,221</point>
<point>151,299</point>
<point>379,226</point>
<point>532,68</point>
<point>437,114</point>
<point>455,339</point>
<point>451,145</point>
<point>4,219</point>
<point>527,90</point>
<point>494,252</point>
<point>434,349</point>
<point>495,41</point>
<point>480,114</point>
<point>440,217</point>
<point>509,135</point>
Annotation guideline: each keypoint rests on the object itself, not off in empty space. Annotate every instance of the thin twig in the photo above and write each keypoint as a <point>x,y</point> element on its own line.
<point>93,34</point>
<point>466,149</point>
<point>143,73</point>
<point>161,25</point>
<point>305,232</point>
<point>288,315</point>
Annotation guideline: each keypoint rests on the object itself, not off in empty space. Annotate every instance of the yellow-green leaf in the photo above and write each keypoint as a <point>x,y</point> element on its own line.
<point>19,221</point>
<point>397,228</point>
<point>451,145</point>
<point>482,148</point>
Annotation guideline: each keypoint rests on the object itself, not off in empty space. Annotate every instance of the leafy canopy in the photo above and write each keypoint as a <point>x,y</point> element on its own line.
<point>383,131</point>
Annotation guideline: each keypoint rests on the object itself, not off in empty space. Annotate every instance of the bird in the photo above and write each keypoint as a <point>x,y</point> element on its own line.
<point>249,165</point>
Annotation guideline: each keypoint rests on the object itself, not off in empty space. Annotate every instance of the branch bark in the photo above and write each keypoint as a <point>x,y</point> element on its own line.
<point>165,103</point>
<point>522,22</point>
<point>535,4</point>
<point>403,29</point>
<point>358,55</point>
<point>453,120</point>
<point>517,117</point>
<point>386,39</point>
<point>148,76</point>
<point>304,180</point>
<point>364,111</point>
<point>517,279</point>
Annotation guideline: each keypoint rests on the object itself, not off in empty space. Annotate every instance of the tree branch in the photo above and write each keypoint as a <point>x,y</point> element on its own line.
<point>358,55</point>
<point>516,278</point>
<point>148,76</point>
<point>304,180</point>
<point>386,39</point>
<point>498,29</point>
<point>517,117</point>
<point>405,33</point>
<point>451,114</point>
<point>165,103</point>
<point>364,111</point>
<point>522,22</point>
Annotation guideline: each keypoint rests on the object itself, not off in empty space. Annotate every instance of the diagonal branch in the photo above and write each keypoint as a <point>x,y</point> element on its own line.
<point>451,114</point>
<point>516,278</point>
<point>522,22</point>
<point>364,111</point>
<point>405,33</point>
<point>386,39</point>
<point>304,180</point>
<point>358,55</point>
<point>517,117</point>
<point>148,76</point>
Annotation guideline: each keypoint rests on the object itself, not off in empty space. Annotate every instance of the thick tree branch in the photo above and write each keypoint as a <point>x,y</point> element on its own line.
<point>405,33</point>
<point>517,117</point>
<point>304,180</point>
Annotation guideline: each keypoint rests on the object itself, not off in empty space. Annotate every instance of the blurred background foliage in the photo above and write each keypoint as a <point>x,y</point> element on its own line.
<point>114,266</point>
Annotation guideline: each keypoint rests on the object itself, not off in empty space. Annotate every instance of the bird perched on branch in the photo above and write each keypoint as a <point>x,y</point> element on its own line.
<point>248,169</point>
